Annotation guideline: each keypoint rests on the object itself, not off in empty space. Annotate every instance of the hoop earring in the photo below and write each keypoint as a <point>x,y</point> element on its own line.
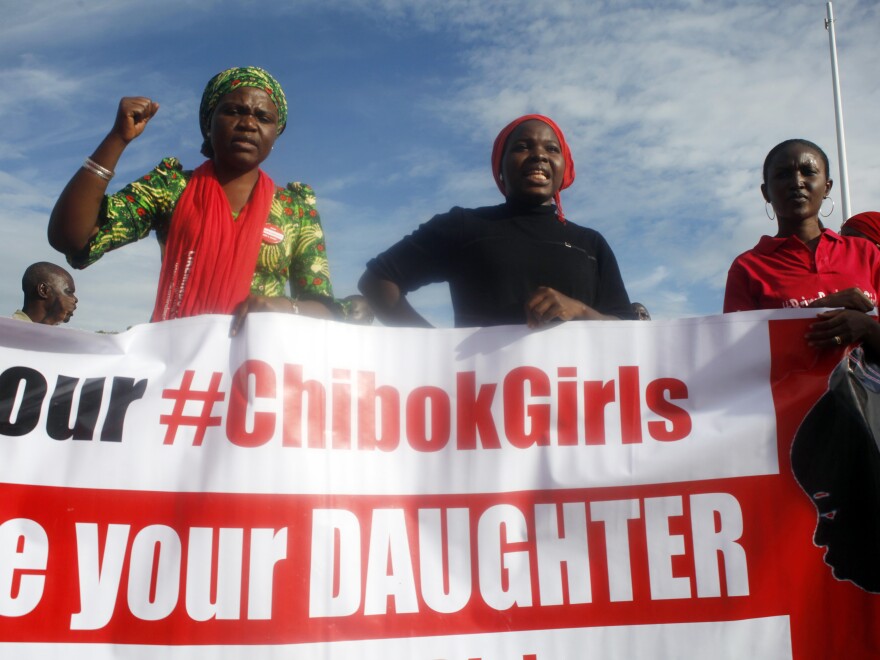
<point>767,208</point>
<point>825,215</point>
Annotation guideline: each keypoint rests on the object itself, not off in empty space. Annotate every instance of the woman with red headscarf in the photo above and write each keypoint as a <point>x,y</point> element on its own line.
<point>232,241</point>
<point>519,262</point>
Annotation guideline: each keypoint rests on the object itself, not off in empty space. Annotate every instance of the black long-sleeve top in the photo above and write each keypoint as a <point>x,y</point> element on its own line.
<point>495,257</point>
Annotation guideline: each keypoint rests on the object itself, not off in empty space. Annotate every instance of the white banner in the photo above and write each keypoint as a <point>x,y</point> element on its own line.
<point>318,490</point>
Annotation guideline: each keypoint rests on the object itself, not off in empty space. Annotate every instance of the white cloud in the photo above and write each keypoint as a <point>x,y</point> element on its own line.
<point>651,280</point>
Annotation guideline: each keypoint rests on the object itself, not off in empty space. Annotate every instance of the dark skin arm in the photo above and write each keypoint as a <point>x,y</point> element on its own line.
<point>848,299</point>
<point>74,219</point>
<point>547,305</point>
<point>389,303</point>
<point>254,303</point>
<point>851,324</point>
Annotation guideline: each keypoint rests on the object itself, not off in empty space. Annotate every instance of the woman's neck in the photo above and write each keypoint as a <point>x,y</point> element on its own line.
<point>807,229</point>
<point>237,186</point>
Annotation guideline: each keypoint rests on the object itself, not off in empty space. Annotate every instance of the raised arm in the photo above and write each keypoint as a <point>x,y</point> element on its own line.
<point>389,303</point>
<point>74,219</point>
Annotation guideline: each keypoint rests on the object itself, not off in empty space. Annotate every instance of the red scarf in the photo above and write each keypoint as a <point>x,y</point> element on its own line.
<point>210,257</point>
<point>868,223</point>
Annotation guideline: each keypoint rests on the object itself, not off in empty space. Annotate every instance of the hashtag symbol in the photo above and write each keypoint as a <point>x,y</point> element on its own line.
<point>185,394</point>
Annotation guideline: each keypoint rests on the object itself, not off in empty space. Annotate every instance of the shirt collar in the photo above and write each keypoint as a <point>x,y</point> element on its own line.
<point>769,244</point>
<point>520,208</point>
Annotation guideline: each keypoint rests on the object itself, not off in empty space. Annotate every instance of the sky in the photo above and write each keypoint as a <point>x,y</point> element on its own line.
<point>669,107</point>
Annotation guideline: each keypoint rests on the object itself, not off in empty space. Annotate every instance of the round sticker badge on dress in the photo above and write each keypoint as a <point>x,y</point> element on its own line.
<point>272,234</point>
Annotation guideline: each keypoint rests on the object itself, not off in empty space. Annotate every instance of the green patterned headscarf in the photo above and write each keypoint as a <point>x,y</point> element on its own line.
<point>230,80</point>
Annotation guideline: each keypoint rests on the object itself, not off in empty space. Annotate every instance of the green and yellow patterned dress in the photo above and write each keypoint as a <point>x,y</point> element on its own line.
<point>293,241</point>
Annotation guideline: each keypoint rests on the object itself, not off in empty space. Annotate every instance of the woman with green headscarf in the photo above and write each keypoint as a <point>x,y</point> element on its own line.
<point>231,240</point>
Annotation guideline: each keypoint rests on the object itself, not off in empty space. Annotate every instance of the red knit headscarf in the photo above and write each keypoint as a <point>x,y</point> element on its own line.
<point>501,143</point>
<point>868,223</point>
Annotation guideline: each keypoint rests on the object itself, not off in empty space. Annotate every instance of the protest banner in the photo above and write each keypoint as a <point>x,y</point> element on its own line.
<point>314,490</point>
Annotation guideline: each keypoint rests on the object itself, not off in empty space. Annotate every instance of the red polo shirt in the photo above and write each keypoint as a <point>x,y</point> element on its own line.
<point>783,272</point>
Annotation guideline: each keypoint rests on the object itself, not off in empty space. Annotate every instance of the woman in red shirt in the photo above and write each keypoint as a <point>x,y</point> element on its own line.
<point>805,264</point>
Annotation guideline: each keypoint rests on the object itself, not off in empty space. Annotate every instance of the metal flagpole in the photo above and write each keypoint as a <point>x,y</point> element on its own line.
<point>838,113</point>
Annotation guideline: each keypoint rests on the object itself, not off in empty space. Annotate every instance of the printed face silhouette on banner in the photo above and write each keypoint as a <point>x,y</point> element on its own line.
<point>836,460</point>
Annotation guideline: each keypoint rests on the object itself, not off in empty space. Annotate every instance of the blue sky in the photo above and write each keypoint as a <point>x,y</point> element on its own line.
<point>670,108</point>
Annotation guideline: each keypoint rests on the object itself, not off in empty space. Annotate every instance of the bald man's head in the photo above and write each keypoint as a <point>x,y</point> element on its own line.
<point>49,293</point>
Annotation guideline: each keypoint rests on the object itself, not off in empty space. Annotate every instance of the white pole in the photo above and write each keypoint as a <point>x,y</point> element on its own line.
<point>838,113</point>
